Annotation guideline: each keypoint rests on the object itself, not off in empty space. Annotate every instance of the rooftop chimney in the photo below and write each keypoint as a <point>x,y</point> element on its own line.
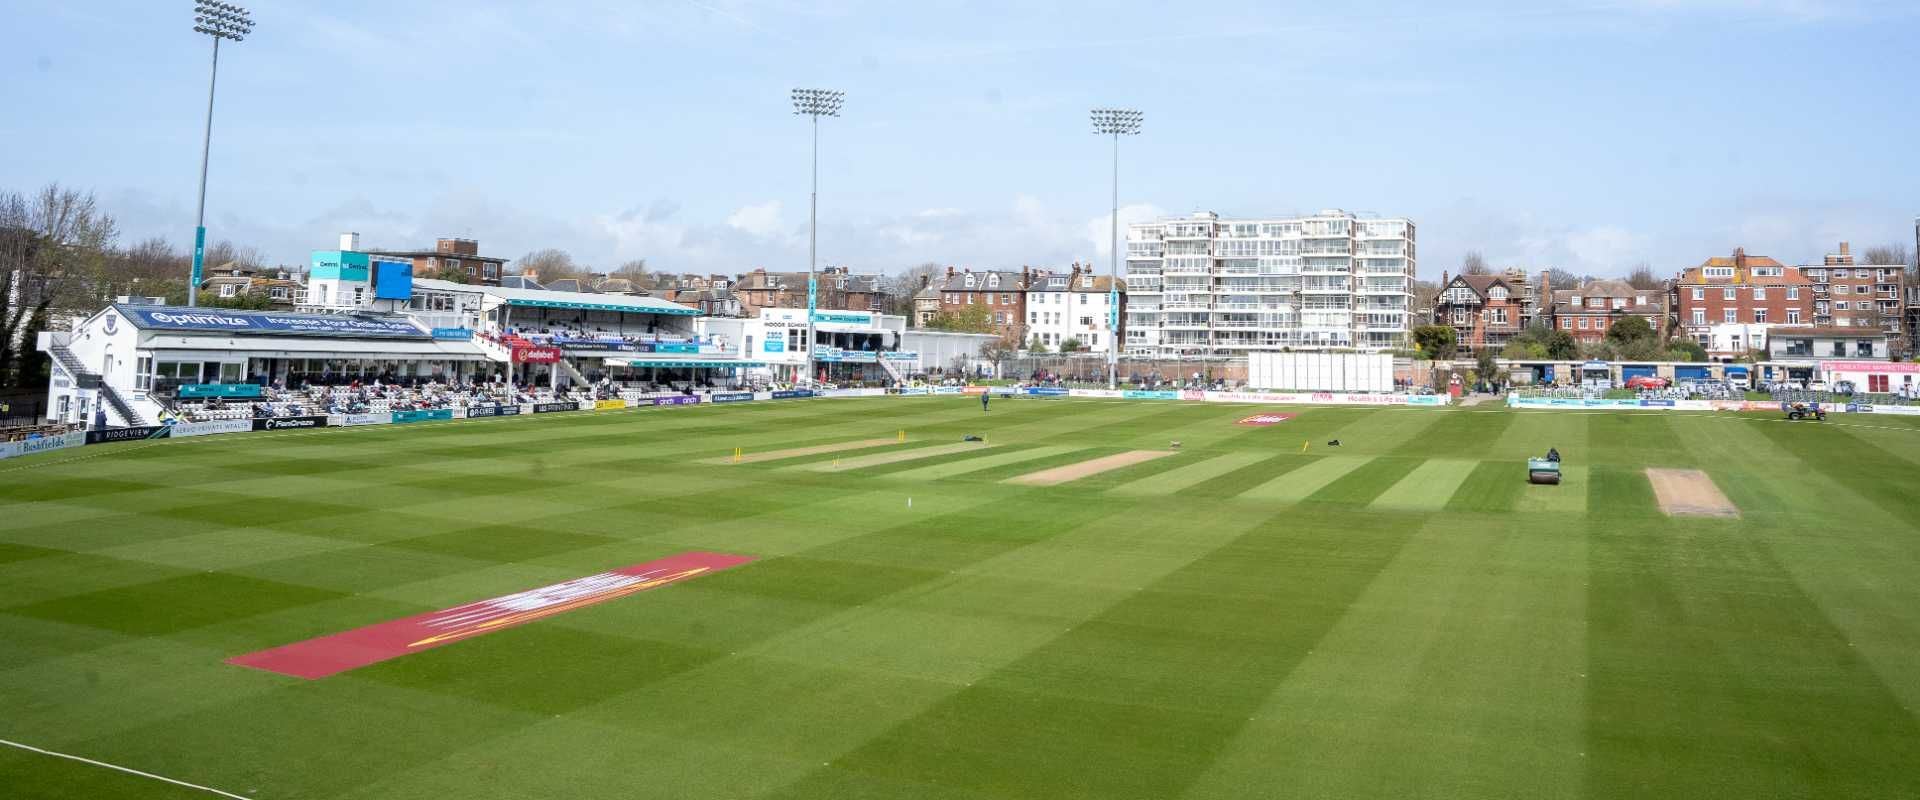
<point>1740,258</point>
<point>1844,250</point>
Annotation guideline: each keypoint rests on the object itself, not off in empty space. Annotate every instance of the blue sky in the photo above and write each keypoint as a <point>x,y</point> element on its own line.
<point>1586,135</point>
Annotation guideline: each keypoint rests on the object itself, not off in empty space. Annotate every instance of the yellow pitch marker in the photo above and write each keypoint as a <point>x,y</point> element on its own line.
<point>903,435</point>
<point>736,455</point>
<point>1303,447</point>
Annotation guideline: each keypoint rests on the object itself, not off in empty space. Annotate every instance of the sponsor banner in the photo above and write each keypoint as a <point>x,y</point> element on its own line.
<point>211,427</point>
<point>973,390</point>
<point>1263,420</point>
<point>913,390</point>
<point>453,334</point>
<point>1193,394</point>
<point>1907,411</point>
<point>288,423</point>
<point>1693,405</point>
<point>1656,404</point>
<point>731,397</point>
<point>361,419</point>
<point>854,393</point>
<point>1870,366</point>
<point>837,355</point>
<point>901,355</point>
<point>949,390</point>
<point>220,390</point>
<point>1426,399</point>
<point>27,447</point>
<point>492,411</point>
<point>127,434</point>
<point>788,394</point>
<point>268,322</point>
<point>426,415</point>
<point>609,405</point>
<point>1571,402</point>
<point>842,318</point>
<point>1141,394</point>
<point>330,655</point>
<point>548,408</point>
<point>536,355</point>
<point>775,346</point>
<point>677,400</point>
<point>1047,391</point>
<point>1107,394</point>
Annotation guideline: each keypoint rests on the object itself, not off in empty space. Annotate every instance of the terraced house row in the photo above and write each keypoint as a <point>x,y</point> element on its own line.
<point>1726,303</point>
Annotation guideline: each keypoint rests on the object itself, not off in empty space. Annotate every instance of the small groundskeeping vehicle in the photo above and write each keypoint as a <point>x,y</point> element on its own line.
<point>1543,470</point>
<point>1804,411</point>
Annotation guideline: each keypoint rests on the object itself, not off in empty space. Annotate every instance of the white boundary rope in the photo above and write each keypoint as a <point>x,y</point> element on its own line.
<point>116,767</point>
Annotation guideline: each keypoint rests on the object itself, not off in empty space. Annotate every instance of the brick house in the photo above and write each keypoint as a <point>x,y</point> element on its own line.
<point>1588,312</point>
<point>839,290</point>
<point>1849,295</point>
<point>1486,310</point>
<point>1003,293</point>
<point>457,255</point>
<point>232,280</point>
<point>1739,289</point>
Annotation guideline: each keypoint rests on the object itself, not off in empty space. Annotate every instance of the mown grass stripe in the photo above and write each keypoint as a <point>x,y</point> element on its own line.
<point>1296,484</point>
<point>857,462</point>
<point>1494,486</point>
<point>1570,497</point>
<point>975,464</point>
<point>1427,488</point>
<point>1174,480</point>
<point>1364,483</point>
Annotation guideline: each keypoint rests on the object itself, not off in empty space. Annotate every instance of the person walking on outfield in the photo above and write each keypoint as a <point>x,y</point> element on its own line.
<point>983,402</point>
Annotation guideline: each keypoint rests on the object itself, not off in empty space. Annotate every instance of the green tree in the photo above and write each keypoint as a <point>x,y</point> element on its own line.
<point>1561,346</point>
<point>969,319</point>
<point>1685,350</point>
<point>1036,344</point>
<point>451,275</point>
<point>1484,362</point>
<point>1524,349</point>
<point>1071,345</point>
<point>1630,329</point>
<point>1436,342</point>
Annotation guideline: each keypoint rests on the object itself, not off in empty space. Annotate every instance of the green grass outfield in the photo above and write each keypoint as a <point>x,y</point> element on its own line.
<point>1402,616</point>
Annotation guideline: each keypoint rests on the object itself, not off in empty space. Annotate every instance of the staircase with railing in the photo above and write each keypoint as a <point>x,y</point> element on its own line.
<point>899,377</point>
<point>86,379</point>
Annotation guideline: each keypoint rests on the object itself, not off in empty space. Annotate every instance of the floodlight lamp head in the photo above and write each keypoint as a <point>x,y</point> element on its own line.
<point>817,102</point>
<point>1116,121</point>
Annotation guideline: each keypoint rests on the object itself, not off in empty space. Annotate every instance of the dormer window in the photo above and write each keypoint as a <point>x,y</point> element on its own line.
<point>1575,300</point>
<point>993,281</point>
<point>969,281</point>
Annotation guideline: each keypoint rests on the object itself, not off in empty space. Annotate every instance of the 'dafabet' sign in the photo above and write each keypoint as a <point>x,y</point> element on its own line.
<point>1263,420</point>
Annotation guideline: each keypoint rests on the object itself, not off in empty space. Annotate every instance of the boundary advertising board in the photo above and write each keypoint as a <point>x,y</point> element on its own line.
<point>289,423</point>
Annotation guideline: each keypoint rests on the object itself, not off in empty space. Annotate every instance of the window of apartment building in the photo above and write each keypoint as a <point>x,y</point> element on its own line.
<point>1699,316</point>
<point>1086,321</point>
<point>1033,317</point>
<point>1566,324</point>
<point>1793,293</point>
<point>1864,349</point>
<point>359,295</point>
<point>1000,317</point>
<point>1499,316</point>
<point>453,263</point>
<point>1699,293</point>
<point>1839,348</point>
<point>1759,292</point>
<point>1497,293</point>
<point>1759,315</point>
<point>1459,317</point>
<point>1718,272</point>
<point>228,290</point>
<point>277,292</point>
<point>1583,323</point>
<point>1729,315</point>
<point>1877,383</point>
<point>1006,299</point>
<point>989,298</point>
<point>1839,288</point>
<point>1793,316</point>
<point>1727,293</point>
<point>1840,305</point>
<point>1619,302</point>
<point>969,298</point>
<point>1596,302</point>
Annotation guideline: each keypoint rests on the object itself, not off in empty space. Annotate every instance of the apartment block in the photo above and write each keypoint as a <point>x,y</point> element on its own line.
<point>1588,311</point>
<point>1207,286</point>
<point>1850,295</point>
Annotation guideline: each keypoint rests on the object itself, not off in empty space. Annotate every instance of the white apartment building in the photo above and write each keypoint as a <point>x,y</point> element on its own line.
<point>1074,306</point>
<point>1202,285</point>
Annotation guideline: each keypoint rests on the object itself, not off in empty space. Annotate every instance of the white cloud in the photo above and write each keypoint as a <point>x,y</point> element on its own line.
<point>758,219</point>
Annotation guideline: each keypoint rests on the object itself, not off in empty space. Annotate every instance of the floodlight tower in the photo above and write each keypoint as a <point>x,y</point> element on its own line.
<point>814,103</point>
<point>220,21</point>
<point>1115,122</point>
